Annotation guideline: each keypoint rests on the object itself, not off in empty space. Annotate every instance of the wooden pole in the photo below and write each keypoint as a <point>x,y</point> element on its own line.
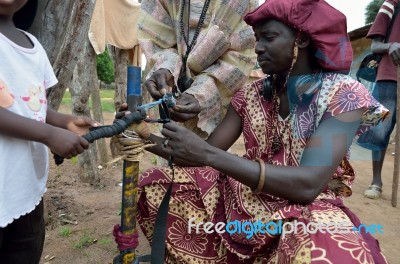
<point>395,184</point>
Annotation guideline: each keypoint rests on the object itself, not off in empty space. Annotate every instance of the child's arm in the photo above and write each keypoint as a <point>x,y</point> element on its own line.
<point>60,141</point>
<point>78,124</point>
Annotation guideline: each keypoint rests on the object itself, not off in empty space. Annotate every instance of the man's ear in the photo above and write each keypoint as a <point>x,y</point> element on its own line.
<point>303,40</point>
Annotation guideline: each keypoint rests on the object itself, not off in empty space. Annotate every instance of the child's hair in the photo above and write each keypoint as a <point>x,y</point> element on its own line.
<point>23,18</point>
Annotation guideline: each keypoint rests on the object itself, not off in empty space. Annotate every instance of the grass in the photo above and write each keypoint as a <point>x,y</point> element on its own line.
<point>84,241</point>
<point>105,241</point>
<point>65,231</point>
<point>107,100</point>
<point>74,160</point>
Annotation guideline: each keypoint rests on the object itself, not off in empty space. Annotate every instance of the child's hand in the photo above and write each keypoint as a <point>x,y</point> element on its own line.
<point>81,124</point>
<point>65,143</point>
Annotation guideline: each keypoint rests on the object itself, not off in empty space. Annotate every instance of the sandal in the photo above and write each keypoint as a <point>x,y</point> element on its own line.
<point>373,192</point>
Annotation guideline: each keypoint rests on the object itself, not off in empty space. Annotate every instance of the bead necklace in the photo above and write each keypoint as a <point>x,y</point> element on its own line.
<point>275,143</point>
<point>183,81</point>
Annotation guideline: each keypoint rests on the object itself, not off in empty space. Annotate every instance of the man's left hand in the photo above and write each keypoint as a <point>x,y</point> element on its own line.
<point>187,107</point>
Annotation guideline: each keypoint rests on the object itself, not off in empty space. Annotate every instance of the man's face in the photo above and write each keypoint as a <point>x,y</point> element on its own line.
<point>274,46</point>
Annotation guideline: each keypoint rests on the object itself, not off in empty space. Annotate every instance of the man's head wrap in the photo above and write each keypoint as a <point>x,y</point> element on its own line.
<point>324,24</point>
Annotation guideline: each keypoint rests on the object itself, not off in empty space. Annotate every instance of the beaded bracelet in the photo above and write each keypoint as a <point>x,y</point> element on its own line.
<point>261,179</point>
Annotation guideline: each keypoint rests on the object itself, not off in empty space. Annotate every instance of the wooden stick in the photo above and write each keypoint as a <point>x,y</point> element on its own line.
<point>395,184</point>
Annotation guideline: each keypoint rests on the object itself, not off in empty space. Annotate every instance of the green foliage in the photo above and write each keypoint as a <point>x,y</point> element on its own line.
<point>372,10</point>
<point>105,67</point>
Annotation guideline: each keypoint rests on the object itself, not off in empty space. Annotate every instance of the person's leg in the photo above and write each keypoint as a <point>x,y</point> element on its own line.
<point>377,163</point>
<point>21,242</point>
<point>377,139</point>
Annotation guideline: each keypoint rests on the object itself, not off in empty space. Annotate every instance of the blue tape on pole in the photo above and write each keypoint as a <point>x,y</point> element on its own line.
<point>134,80</point>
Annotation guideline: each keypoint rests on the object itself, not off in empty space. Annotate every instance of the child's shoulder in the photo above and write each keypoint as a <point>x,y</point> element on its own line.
<point>12,41</point>
<point>34,40</point>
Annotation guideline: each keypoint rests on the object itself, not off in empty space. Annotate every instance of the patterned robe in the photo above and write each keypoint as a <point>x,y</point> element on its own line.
<point>206,195</point>
<point>219,63</point>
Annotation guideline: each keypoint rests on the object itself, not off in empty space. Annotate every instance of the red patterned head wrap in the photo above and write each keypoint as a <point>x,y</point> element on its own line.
<point>324,24</point>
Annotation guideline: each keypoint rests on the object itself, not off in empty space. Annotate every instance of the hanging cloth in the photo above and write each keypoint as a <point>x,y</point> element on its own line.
<point>114,22</point>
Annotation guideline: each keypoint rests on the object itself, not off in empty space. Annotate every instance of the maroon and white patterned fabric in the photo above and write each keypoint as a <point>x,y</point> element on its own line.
<point>204,194</point>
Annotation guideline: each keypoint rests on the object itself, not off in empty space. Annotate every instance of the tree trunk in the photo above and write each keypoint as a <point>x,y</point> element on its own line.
<point>98,115</point>
<point>120,58</point>
<point>84,78</point>
<point>62,28</point>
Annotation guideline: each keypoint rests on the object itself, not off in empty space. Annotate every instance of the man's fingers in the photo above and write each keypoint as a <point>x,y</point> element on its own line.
<point>163,91</point>
<point>123,107</point>
<point>162,85</point>
<point>188,109</point>
<point>151,87</point>
<point>120,115</point>
<point>182,117</point>
<point>171,126</point>
<point>167,133</point>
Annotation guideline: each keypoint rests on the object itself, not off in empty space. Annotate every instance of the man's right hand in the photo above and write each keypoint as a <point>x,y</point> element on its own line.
<point>394,53</point>
<point>160,83</point>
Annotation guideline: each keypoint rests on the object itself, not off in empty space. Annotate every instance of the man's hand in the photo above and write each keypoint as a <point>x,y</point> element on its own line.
<point>122,111</point>
<point>187,107</point>
<point>183,144</point>
<point>394,53</point>
<point>142,128</point>
<point>160,83</point>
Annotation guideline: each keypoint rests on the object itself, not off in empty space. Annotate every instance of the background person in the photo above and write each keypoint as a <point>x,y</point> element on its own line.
<point>385,90</point>
<point>202,50</point>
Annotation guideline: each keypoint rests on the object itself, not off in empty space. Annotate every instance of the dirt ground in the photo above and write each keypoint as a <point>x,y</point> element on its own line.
<point>80,217</point>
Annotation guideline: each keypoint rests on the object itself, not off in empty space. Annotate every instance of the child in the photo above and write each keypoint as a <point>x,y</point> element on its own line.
<point>27,128</point>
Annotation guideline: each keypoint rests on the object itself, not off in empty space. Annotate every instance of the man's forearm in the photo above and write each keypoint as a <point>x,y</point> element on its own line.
<point>380,47</point>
